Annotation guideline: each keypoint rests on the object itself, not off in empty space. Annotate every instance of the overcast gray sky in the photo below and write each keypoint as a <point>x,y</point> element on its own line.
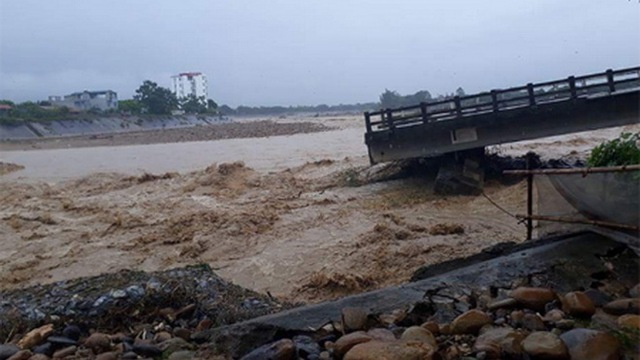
<point>288,52</point>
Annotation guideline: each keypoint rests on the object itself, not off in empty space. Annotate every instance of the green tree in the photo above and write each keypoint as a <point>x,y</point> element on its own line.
<point>155,99</point>
<point>193,105</point>
<point>212,106</point>
<point>130,106</point>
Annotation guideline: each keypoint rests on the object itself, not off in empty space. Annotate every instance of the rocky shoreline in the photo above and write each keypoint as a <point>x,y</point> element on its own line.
<point>552,301</point>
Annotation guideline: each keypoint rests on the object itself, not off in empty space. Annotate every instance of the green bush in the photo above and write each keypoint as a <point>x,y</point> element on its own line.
<point>621,151</point>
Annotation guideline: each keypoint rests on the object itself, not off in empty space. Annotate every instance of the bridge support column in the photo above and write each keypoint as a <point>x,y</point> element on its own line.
<point>461,173</point>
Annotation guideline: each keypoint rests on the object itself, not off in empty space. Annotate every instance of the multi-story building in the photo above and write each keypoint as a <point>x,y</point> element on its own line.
<point>87,100</point>
<point>190,83</point>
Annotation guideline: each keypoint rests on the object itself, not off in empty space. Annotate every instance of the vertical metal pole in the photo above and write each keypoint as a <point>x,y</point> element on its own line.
<point>529,199</point>
<point>456,101</point>
<point>532,96</point>
<point>494,100</point>
<point>367,121</point>
<point>612,87</point>
<point>572,87</point>
<point>423,112</point>
<point>390,119</point>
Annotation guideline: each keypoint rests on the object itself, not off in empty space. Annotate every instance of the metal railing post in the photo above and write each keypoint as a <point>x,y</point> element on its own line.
<point>456,101</point>
<point>494,100</point>
<point>572,87</point>
<point>610,82</point>
<point>367,121</point>
<point>532,96</point>
<point>423,112</point>
<point>390,119</point>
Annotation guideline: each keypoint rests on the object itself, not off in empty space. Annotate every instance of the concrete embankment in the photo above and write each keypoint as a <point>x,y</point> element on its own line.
<point>102,125</point>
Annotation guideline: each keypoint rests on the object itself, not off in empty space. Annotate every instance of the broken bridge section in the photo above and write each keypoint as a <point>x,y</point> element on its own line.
<point>574,104</point>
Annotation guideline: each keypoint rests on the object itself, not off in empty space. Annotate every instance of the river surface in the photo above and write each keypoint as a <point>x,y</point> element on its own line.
<point>262,154</point>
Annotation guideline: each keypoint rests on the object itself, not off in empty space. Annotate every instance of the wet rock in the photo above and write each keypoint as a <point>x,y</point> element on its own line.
<point>470,322</point>
<point>129,356</point>
<point>533,298</point>
<point>306,346</point>
<point>603,320</point>
<point>516,318</point>
<point>417,333</point>
<point>44,349</point>
<point>62,341</point>
<point>35,336</point>
<point>39,357</point>
<point>591,344</point>
<point>62,353</point>
<point>72,332</point>
<point>634,292</point>
<point>398,350</point>
<point>7,350</point>
<point>545,345</point>
<point>162,336</point>
<point>107,356</point>
<point>353,319</point>
<point>565,324</point>
<point>623,306</point>
<point>432,326</point>
<point>504,303</point>
<point>181,355</point>
<point>598,298</point>
<point>280,350</point>
<point>147,350</point>
<point>204,324</point>
<point>577,303</point>
<point>554,315</point>
<point>21,355</point>
<point>507,341</point>
<point>182,333</point>
<point>629,321</point>
<point>345,343</point>
<point>98,343</point>
<point>381,334</point>
<point>533,322</point>
<point>172,345</point>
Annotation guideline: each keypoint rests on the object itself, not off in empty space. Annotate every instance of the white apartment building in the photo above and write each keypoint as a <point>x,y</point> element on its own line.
<point>189,83</point>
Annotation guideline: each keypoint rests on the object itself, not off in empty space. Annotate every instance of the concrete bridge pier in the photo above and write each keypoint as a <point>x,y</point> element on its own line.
<point>461,172</point>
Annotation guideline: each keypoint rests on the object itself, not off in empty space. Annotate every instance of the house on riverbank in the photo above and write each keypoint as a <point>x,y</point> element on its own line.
<point>87,100</point>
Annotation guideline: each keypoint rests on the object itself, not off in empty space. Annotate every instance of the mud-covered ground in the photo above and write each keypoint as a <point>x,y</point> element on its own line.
<point>311,232</point>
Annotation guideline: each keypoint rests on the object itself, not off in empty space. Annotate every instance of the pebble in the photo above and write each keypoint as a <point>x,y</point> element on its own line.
<point>345,343</point>
<point>44,349</point>
<point>565,324</point>
<point>629,321</point>
<point>545,345</point>
<point>381,334</point>
<point>554,315</point>
<point>306,347</point>
<point>591,344</point>
<point>62,353</point>
<point>147,350</point>
<point>21,355</point>
<point>182,333</point>
<point>7,350</point>
<point>533,322</point>
<point>353,319</point>
<point>470,322</point>
<point>174,344</point>
<point>533,298</point>
<point>397,350</point>
<point>162,336</point>
<point>39,357</point>
<point>98,343</point>
<point>107,356</point>
<point>507,339</point>
<point>432,326</point>
<point>598,298</point>
<point>623,306</point>
<point>62,340</point>
<point>181,355</point>
<point>417,333</point>
<point>72,332</point>
<point>577,303</point>
<point>504,303</point>
<point>634,292</point>
<point>129,356</point>
<point>283,349</point>
<point>35,336</point>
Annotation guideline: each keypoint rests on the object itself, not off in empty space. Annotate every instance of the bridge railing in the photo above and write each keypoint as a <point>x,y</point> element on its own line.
<point>530,95</point>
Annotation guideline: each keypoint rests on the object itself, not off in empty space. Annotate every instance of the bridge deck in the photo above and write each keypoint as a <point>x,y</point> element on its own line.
<point>589,102</point>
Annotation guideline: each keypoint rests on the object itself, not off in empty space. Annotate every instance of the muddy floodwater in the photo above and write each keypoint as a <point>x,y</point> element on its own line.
<point>262,154</point>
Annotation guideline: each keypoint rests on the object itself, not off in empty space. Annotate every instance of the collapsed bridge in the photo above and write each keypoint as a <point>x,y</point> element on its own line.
<point>574,104</point>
